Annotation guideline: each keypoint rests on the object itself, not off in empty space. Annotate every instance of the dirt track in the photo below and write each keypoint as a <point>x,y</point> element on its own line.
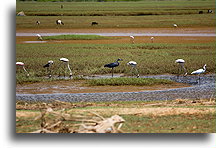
<point>126,39</point>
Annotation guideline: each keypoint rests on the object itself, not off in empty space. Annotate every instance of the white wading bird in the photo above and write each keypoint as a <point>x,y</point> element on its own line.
<point>181,66</point>
<point>133,65</point>
<point>65,61</point>
<point>48,66</point>
<point>199,71</point>
<point>175,25</point>
<point>39,37</point>
<point>152,39</point>
<point>23,66</point>
<point>132,39</point>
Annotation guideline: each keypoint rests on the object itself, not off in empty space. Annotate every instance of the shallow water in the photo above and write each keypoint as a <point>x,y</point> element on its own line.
<point>122,34</point>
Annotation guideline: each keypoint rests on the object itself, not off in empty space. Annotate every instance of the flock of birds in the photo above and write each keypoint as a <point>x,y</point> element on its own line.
<point>133,64</point>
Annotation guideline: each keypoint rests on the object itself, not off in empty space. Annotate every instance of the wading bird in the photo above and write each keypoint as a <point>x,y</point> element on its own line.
<point>48,66</point>
<point>39,37</point>
<point>199,71</point>
<point>175,25</point>
<point>152,39</point>
<point>133,65</point>
<point>181,66</point>
<point>65,61</point>
<point>112,65</point>
<point>23,66</point>
<point>132,39</point>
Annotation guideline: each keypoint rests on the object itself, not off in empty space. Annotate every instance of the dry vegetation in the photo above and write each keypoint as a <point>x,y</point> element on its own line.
<point>106,117</point>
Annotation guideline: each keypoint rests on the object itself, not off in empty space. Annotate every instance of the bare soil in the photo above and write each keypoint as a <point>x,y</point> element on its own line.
<point>81,87</point>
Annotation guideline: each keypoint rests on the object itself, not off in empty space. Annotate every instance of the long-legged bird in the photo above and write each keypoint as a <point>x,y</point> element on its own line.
<point>181,63</point>
<point>23,66</point>
<point>112,65</point>
<point>48,66</point>
<point>199,71</point>
<point>65,61</point>
<point>133,65</point>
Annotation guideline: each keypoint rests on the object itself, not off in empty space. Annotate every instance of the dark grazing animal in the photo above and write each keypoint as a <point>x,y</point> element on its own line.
<point>94,23</point>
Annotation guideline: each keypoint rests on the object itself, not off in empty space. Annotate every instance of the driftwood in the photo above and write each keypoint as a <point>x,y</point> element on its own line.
<point>93,123</point>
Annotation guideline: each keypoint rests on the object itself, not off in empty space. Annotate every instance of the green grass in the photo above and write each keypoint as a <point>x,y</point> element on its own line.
<point>127,81</point>
<point>88,59</point>
<point>148,13</point>
<point>185,123</point>
<point>76,37</point>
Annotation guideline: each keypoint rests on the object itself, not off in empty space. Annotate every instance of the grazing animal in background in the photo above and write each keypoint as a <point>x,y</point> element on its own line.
<point>181,63</point>
<point>94,23</point>
<point>65,61</point>
<point>23,66</point>
<point>39,37</point>
<point>62,6</point>
<point>200,12</point>
<point>133,65</point>
<point>38,22</point>
<point>152,39</point>
<point>210,11</point>
<point>59,22</point>
<point>48,66</point>
<point>175,25</point>
<point>132,39</point>
<point>113,65</point>
<point>199,71</point>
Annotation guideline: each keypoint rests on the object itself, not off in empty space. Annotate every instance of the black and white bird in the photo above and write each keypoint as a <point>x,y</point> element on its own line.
<point>48,66</point>
<point>59,22</point>
<point>181,63</point>
<point>133,65</point>
<point>38,22</point>
<point>113,65</point>
<point>21,64</point>
<point>39,37</point>
<point>65,62</point>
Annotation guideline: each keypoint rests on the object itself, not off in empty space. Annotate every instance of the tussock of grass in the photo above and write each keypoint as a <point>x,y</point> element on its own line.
<point>76,37</point>
<point>127,81</point>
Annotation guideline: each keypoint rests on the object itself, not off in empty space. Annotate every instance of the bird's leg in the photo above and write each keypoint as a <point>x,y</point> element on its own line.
<point>49,72</point>
<point>131,71</point>
<point>137,72</point>
<point>69,70</point>
<point>25,71</point>
<point>59,70</point>
<point>112,72</point>
<point>64,70</point>
<point>185,71</point>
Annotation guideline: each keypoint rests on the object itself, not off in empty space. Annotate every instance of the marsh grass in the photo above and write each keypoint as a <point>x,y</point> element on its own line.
<point>128,81</point>
<point>150,13</point>
<point>185,123</point>
<point>76,37</point>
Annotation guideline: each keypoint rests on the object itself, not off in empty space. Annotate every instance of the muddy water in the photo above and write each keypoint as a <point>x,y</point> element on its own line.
<point>123,34</point>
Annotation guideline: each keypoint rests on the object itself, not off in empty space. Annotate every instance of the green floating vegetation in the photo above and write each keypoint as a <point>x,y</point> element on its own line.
<point>128,81</point>
<point>76,37</point>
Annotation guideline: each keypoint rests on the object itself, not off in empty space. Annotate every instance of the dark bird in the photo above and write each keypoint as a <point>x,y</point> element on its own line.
<point>48,66</point>
<point>112,65</point>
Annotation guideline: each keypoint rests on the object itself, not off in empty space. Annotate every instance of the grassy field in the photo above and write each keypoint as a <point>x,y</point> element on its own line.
<point>177,116</point>
<point>128,81</point>
<point>151,14</point>
<point>88,59</point>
